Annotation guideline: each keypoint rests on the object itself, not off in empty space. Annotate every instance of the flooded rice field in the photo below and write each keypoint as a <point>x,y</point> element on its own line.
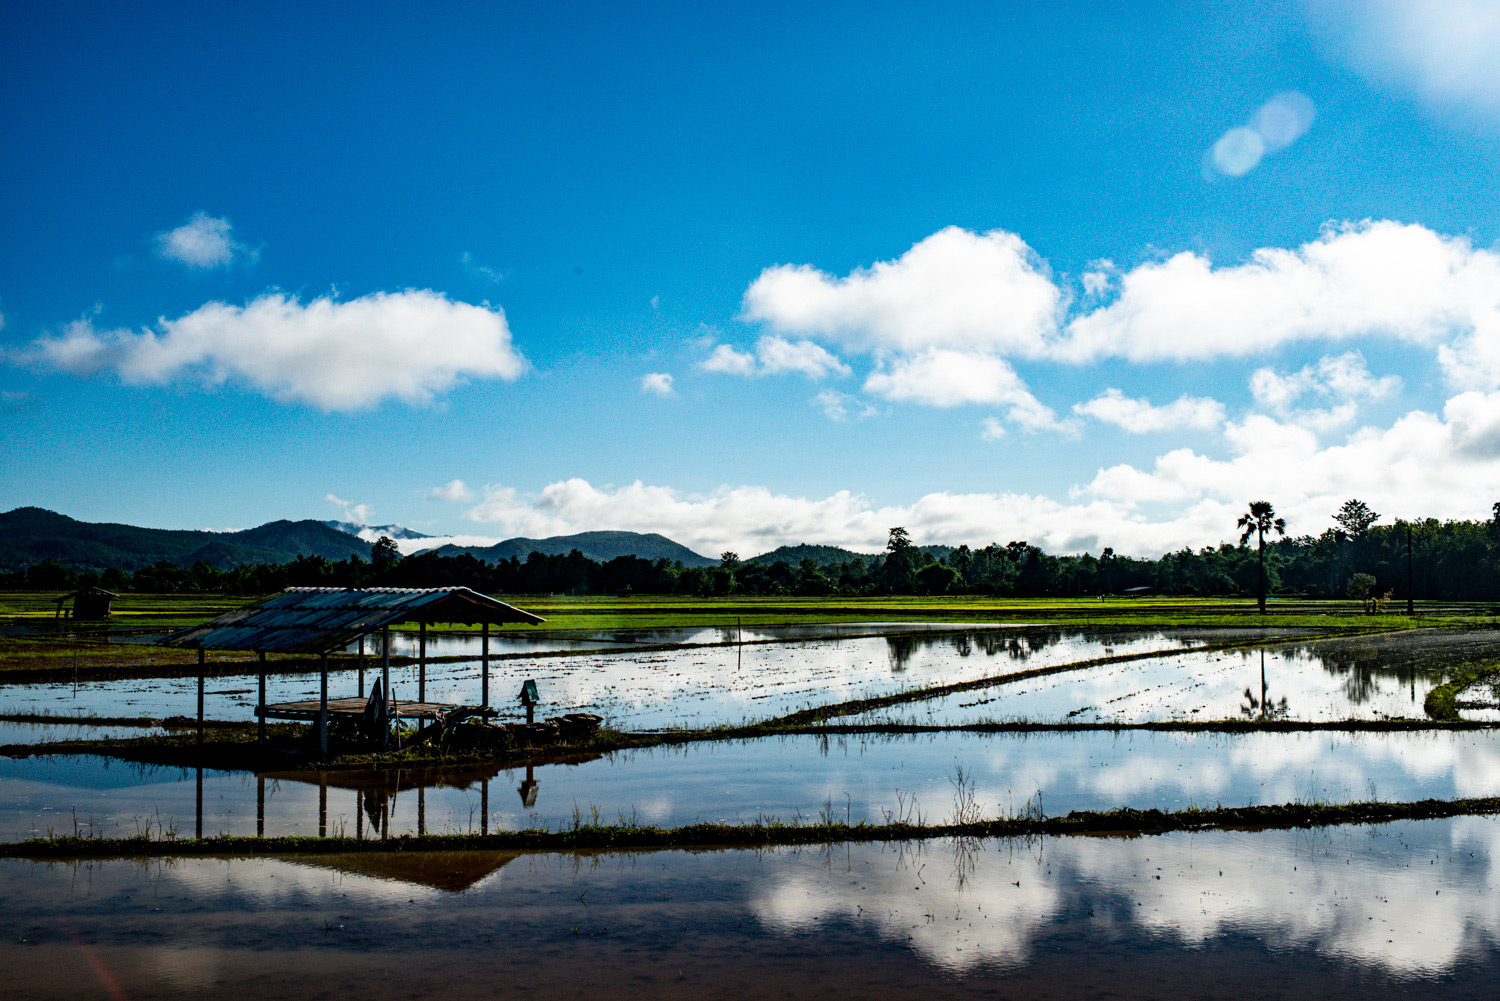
<point>1356,911</point>
<point>872,778</point>
<point>1365,677</point>
<point>51,732</point>
<point>692,687</point>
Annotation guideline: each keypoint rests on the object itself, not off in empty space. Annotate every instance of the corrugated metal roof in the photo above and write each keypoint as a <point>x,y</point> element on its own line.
<point>324,619</point>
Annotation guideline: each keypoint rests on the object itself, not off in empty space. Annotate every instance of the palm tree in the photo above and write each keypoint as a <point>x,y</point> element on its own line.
<point>1260,519</point>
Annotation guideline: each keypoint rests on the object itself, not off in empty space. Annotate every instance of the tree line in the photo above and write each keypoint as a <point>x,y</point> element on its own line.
<point>1431,559</point>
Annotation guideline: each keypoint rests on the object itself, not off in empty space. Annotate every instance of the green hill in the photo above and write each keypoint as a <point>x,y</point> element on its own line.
<point>598,546</point>
<point>30,535</point>
<point>823,555</point>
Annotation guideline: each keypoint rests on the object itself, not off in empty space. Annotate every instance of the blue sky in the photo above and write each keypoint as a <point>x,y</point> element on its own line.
<point>755,274</point>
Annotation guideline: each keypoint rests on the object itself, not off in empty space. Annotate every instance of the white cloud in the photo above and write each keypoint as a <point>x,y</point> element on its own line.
<point>1443,50</point>
<point>333,355</point>
<point>954,289</point>
<point>1425,465</point>
<point>657,383</point>
<point>729,361</point>
<point>775,356</point>
<point>1141,417</point>
<point>1342,380</point>
<point>1277,124</point>
<point>204,241</point>
<point>360,514</point>
<point>943,378</point>
<point>842,407</point>
<point>453,490</point>
<point>990,429</point>
<point>1366,279</point>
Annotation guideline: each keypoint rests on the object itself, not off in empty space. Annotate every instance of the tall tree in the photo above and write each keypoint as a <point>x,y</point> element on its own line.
<point>1355,518</point>
<point>1260,519</point>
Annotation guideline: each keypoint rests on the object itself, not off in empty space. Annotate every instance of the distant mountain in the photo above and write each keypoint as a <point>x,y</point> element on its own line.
<point>828,555</point>
<point>598,546</point>
<point>372,533</point>
<point>31,534</point>
<point>824,555</point>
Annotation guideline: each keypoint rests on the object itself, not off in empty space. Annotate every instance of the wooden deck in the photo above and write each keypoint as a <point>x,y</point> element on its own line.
<point>354,706</point>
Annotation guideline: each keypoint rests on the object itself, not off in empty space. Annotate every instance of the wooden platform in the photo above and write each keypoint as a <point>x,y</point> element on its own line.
<point>448,712</point>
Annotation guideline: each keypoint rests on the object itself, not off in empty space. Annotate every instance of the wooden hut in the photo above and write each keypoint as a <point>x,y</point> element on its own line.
<point>323,620</point>
<point>88,603</point>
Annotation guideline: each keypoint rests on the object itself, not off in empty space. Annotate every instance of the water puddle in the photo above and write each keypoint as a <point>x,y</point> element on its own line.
<point>1341,912</point>
<point>691,687</point>
<point>45,733</point>
<point>871,778</point>
<point>1365,677</point>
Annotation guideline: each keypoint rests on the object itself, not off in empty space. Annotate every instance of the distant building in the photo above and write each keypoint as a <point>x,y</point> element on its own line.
<point>88,603</point>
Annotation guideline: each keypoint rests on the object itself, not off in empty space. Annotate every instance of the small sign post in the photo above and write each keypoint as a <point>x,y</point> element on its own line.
<point>529,699</point>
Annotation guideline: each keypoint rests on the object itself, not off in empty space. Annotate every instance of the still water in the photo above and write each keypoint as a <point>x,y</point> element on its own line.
<point>690,687</point>
<point>1406,909</point>
<point>870,778</point>
<point>1365,677</point>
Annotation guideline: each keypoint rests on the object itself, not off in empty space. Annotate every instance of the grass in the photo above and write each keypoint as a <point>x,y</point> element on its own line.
<point>1442,702</point>
<point>767,833</point>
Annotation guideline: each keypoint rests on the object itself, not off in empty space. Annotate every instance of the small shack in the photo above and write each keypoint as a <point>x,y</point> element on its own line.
<point>324,620</point>
<point>91,603</point>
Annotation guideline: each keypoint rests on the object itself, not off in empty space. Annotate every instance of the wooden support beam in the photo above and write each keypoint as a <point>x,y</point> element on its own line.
<point>421,662</point>
<point>202,671</point>
<point>198,812</point>
<point>260,806</point>
<point>361,687</point>
<point>385,676</point>
<point>323,707</point>
<point>260,730</point>
<point>484,659</point>
<point>322,805</point>
<point>421,810</point>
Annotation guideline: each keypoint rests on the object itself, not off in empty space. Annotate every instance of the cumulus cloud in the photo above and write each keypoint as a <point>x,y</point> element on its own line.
<point>945,378</point>
<point>204,241</point>
<point>1141,417</point>
<point>1443,465</point>
<point>1381,279</point>
<point>954,289</point>
<point>453,490</point>
<point>360,514</point>
<point>1275,125</point>
<point>775,356</point>
<point>1342,381</point>
<point>333,355</point>
<point>1441,50</point>
<point>657,383</point>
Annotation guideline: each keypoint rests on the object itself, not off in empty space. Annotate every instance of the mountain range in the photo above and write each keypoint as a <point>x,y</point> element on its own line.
<point>29,535</point>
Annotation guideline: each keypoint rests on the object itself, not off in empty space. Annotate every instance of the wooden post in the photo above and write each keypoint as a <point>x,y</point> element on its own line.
<point>260,806</point>
<point>421,662</point>
<point>260,730</point>
<point>361,688</point>
<point>484,806</point>
<point>323,707</point>
<point>198,813</point>
<point>359,819</point>
<point>421,810</point>
<point>322,805</point>
<point>484,659</point>
<point>201,671</point>
<point>385,681</point>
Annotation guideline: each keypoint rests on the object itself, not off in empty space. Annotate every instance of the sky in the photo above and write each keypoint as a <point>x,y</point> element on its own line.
<point>749,275</point>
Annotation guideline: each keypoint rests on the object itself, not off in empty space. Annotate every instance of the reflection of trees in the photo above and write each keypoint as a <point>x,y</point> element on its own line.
<point>1263,707</point>
<point>1361,663</point>
<point>1018,645</point>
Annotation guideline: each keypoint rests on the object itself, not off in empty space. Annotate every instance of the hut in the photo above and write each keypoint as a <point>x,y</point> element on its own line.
<point>320,621</point>
<point>88,603</point>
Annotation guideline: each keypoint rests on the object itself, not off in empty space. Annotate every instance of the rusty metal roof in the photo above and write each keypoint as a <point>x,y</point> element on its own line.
<point>325,619</point>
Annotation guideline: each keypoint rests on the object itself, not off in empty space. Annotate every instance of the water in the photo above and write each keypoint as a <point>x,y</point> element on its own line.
<point>649,690</point>
<point>1366,677</point>
<point>1362,911</point>
<point>42,733</point>
<point>871,778</point>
